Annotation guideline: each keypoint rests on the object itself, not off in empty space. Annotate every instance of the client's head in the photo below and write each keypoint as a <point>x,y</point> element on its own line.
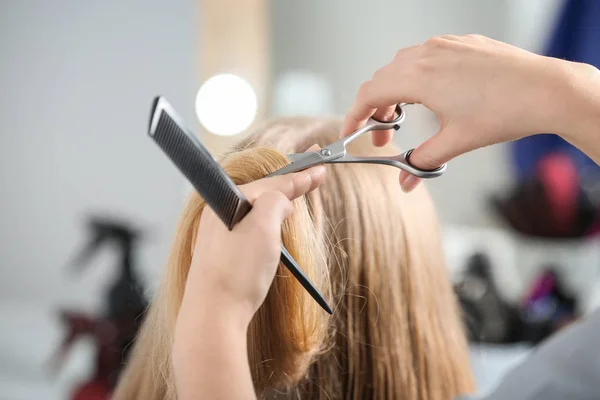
<point>374,251</point>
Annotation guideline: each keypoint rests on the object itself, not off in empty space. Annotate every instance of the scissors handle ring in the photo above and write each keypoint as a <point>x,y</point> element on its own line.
<point>395,123</point>
<point>425,172</point>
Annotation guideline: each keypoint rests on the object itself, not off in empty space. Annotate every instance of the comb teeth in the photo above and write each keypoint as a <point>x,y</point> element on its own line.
<point>201,170</point>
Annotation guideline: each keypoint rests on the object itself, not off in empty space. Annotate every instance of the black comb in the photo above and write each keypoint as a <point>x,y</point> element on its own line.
<point>210,179</point>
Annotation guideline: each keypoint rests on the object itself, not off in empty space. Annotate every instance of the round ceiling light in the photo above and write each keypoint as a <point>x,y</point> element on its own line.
<point>226,104</point>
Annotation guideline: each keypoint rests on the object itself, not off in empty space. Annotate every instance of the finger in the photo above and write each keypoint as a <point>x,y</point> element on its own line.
<point>359,112</point>
<point>372,95</point>
<point>385,113</point>
<point>447,144</point>
<point>437,150</point>
<point>383,77</point>
<point>291,185</point>
<point>408,181</point>
<point>378,94</point>
<point>381,138</point>
<point>269,211</point>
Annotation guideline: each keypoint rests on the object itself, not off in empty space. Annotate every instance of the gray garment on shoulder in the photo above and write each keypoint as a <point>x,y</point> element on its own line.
<point>566,366</point>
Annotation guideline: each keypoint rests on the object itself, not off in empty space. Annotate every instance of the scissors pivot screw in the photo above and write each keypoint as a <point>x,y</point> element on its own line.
<point>326,152</point>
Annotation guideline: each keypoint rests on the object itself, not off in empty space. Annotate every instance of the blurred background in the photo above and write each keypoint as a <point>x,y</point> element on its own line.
<point>88,203</point>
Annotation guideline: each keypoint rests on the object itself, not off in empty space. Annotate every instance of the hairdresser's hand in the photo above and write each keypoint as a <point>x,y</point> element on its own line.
<point>482,91</point>
<point>235,268</point>
<point>229,277</point>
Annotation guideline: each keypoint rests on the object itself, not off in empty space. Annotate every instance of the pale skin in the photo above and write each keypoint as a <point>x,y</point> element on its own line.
<point>483,92</point>
<point>221,297</point>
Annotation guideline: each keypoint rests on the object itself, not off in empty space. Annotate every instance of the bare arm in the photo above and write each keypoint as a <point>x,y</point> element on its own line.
<point>230,275</point>
<point>582,114</point>
<point>210,357</point>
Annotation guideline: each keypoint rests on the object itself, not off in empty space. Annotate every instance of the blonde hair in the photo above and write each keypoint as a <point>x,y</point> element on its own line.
<point>376,252</point>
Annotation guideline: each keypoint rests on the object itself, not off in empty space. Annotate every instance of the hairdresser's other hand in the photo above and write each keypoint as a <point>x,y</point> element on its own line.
<point>482,91</point>
<point>235,268</point>
<point>229,277</point>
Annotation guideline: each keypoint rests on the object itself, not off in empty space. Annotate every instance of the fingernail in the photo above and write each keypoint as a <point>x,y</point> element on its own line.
<point>409,182</point>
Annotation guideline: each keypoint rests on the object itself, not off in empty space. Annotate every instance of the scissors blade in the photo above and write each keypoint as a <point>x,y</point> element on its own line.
<point>297,156</point>
<point>299,162</point>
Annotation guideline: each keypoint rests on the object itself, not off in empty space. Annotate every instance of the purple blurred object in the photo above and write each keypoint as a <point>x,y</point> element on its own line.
<point>546,307</point>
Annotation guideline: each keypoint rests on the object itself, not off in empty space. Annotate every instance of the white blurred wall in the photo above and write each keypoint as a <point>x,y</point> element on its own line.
<point>77,80</point>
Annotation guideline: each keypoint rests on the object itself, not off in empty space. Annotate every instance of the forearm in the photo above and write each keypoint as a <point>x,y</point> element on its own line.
<point>581,118</point>
<point>216,366</point>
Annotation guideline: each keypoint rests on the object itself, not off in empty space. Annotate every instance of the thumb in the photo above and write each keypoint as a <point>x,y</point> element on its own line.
<point>433,153</point>
<point>268,212</point>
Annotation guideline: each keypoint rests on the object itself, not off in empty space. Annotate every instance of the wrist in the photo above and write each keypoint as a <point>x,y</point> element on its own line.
<point>211,310</point>
<point>580,117</point>
<point>207,294</point>
<point>203,333</point>
<point>208,353</point>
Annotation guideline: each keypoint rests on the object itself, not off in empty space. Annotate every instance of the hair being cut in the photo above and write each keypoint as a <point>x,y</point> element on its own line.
<point>376,252</point>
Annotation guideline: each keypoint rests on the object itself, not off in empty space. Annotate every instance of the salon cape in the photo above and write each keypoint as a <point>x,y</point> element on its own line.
<point>564,367</point>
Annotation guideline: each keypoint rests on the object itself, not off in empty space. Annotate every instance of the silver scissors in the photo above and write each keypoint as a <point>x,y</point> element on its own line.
<point>336,152</point>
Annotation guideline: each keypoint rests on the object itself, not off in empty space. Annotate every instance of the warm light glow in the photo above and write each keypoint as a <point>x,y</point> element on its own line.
<point>226,104</point>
